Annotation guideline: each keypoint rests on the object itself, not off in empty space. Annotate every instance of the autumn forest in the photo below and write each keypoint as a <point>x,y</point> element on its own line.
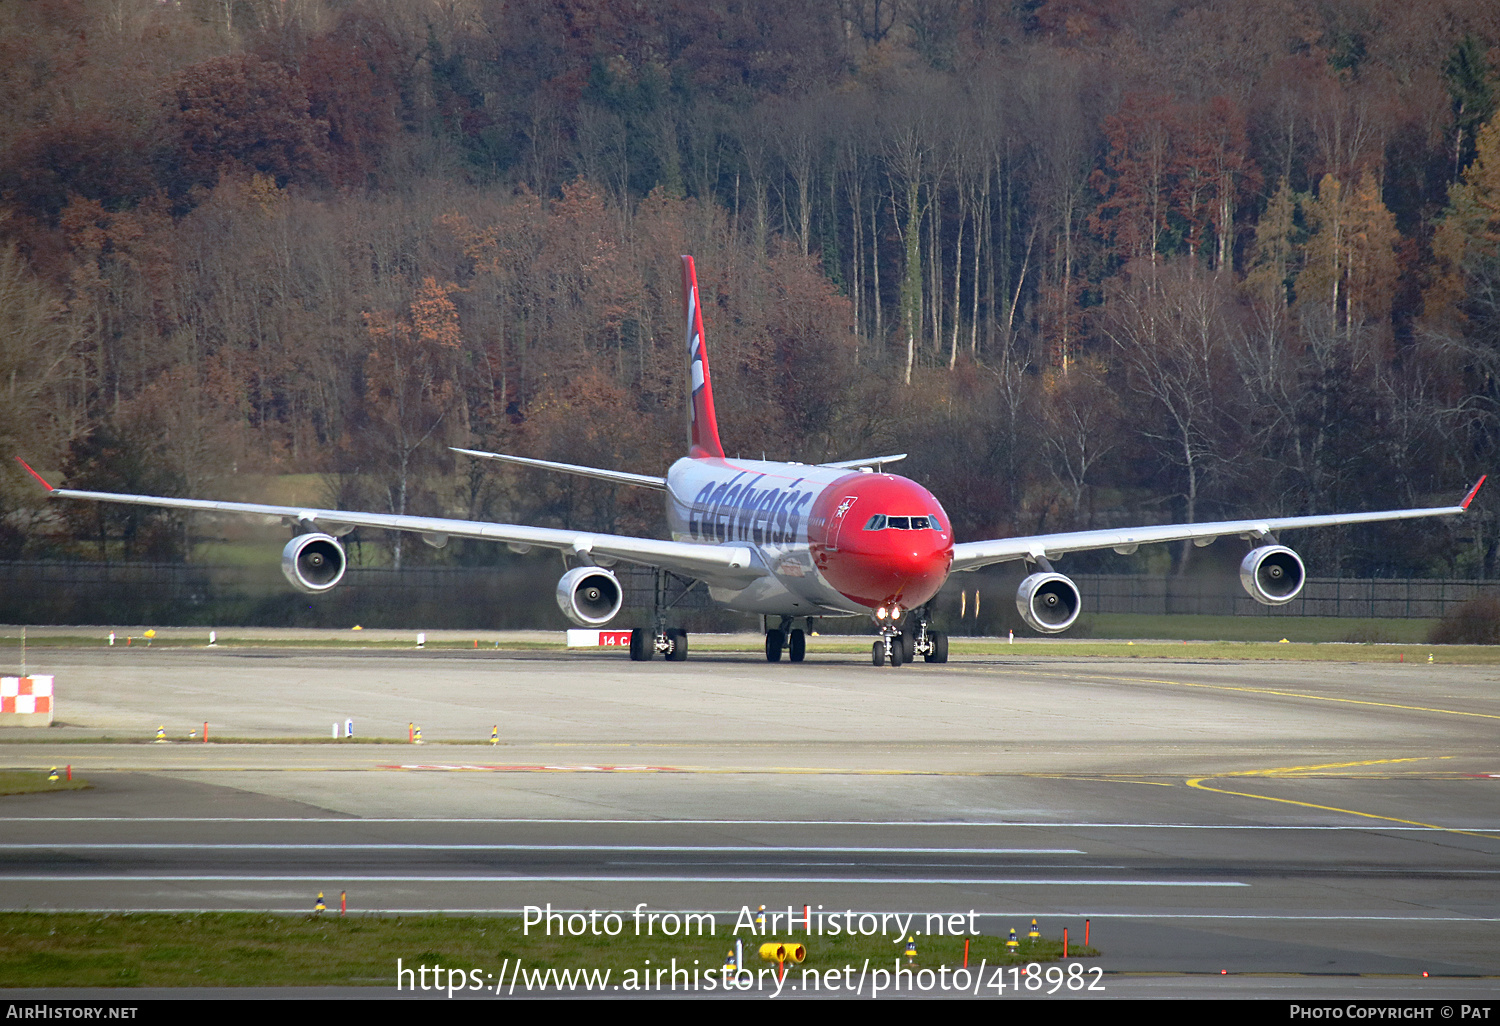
<point>1091,262</point>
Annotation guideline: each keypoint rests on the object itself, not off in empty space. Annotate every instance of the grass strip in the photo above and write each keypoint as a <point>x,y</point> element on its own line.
<point>34,782</point>
<point>242,949</point>
<point>1293,649</point>
<point>91,641</point>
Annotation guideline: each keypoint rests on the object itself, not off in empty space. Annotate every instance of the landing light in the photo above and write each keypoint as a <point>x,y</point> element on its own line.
<point>880,613</point>
<point>895,612</point>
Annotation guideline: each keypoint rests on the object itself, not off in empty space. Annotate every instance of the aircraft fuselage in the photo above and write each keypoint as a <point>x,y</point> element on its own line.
<point>835,541</point>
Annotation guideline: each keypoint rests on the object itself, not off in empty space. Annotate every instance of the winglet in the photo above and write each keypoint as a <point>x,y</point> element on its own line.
<point>1462,505</point>
<point>50,488</point>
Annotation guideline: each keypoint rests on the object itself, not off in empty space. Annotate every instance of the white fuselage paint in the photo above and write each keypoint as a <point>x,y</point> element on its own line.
<point>766,506</point>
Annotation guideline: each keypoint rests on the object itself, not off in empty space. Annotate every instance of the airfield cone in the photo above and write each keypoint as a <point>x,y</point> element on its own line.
<point>418,739</point>
<point>318,906</point>
<point>411,735</point>
<point>1013,946</point>
<point>343,902</point>
<point>70,771</point>
<point>161,736</point>
<point>1035,934</point>
<point>111,637</point>
<point>52,777</point>
<point>760,921</point>
<point>495,734</point>
<point>729,967</point>
<point>911,950</point>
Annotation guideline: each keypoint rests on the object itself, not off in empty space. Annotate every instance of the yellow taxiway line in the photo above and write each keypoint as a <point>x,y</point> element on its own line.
<point>1300,772</point>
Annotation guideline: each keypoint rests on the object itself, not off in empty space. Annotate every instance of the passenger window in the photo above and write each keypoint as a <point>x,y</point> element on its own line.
<point>876,523</point>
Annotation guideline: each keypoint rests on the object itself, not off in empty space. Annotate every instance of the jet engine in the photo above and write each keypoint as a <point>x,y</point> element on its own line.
<point>1272,574</point>
<point>589,596</point>
<point>1048,602</point>
<point>313,562</point>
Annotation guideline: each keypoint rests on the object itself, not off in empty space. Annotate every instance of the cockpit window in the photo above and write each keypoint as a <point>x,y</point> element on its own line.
<point>880,522</point>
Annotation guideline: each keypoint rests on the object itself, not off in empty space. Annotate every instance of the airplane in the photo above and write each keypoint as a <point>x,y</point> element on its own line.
<point>787,541</point>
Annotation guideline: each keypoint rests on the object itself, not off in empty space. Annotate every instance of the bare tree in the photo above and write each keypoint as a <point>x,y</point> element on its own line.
<point>1170,339</point>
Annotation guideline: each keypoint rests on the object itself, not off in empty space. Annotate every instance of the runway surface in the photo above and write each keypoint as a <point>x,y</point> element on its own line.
<point>1333,824</point>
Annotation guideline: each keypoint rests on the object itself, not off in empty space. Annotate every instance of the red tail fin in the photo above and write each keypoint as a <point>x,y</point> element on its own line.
<point>703,426</point>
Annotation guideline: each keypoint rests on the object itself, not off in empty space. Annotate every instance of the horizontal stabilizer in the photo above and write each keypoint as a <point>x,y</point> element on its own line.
<point>871,461</point>
<point>617,476</point>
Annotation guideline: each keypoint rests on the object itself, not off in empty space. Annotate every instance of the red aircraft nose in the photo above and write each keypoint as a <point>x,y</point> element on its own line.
<point>881,540</point>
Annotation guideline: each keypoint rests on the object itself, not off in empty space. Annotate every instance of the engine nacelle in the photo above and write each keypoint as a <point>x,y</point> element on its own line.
<point>1048,602</point>
<point>313,562</point>
<point>589,596</point>
<point>1272,574</point>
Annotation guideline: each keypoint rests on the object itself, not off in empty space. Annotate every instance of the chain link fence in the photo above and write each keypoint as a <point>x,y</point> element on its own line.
<point>520,595</point>
<point>1321,596</point>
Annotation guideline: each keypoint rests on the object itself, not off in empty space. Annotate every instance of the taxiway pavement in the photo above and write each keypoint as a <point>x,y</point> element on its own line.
<point>1314,821</point>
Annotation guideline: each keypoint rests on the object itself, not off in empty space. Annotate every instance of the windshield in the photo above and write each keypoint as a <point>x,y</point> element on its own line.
<point>882,522</point>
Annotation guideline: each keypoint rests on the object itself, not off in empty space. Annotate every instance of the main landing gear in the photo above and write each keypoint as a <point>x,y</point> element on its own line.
<point>670,642</point>
<point>792,640</point>
<point>896,646</point>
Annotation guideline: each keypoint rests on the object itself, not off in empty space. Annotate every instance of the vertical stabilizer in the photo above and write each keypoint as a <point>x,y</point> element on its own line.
<point>703,426</point>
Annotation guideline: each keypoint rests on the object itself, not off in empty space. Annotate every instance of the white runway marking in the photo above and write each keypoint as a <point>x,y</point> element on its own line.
<point>595,878</point>
<point>997,824</point>
<point>730,914</point>
<point>653,848</point>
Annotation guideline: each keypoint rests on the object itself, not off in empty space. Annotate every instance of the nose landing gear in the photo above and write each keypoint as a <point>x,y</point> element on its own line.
<point>897,646</point>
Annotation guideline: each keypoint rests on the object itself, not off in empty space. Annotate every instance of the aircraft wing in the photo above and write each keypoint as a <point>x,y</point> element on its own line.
<point>870,461</point>
<point>973,555</point>
<point>712,562</point>
<point>616,476</point>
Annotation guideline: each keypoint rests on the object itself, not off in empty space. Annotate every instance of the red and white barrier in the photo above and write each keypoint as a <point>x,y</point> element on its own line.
<point>26,701</point>
<point>598,639</point>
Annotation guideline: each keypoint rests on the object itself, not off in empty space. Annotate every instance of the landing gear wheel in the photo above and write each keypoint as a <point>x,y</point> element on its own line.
<point>677,637</point>
<point>796,646</point>
<point>775,641</point>
<point>877,653</point>
<point>908,642</point>
<point>938,650</point>
<point>898,651</point>
<point>642,645</point>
